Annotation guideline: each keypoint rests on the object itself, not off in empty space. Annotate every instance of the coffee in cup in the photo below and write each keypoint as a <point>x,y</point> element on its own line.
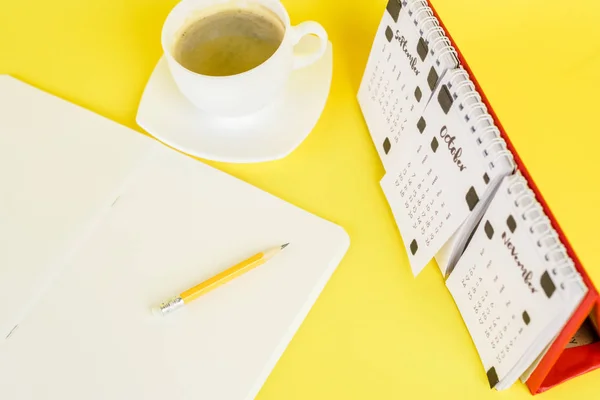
<point>229,42</point>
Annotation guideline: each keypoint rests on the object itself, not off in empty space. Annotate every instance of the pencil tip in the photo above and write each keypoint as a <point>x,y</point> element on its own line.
<point>284,246</point>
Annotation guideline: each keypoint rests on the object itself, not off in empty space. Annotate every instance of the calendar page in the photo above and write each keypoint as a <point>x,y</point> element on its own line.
<point>409,55</point>
<point>439,178</point>
<point>510,294</point>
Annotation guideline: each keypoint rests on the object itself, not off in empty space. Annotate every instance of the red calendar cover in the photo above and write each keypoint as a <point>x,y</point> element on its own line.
<point>560,363</point>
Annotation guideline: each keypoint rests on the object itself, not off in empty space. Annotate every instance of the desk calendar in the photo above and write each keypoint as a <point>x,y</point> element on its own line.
<point>446,173</point>
<point>409,55</point>
<point>514,285</point>
<point>460,194</point>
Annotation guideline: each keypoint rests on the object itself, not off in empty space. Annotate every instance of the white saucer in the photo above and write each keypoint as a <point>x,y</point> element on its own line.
<point>270,134</point>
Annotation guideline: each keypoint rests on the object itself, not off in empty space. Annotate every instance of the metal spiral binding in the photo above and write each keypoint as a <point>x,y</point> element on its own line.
<point>477,107</point>
<point>556,246</point>
<point>476,112</point>
<point>540,226</point>
<point>442,44</point>
<point>492,129</point>
<point>423,17</point>
<point>490,144</point>
<point>484,118</point>
<point>494,134</point>
<point>449,49</point>
<point>541,222</point>
<point>468,84</point>
<point>569,271</point>
<point>525,195</point>
<point>460,72</point>
<point>440,31</point>
<point>429,19</point>
<point>414,5</point>
<point>472,95</point>
<point>502,154</point>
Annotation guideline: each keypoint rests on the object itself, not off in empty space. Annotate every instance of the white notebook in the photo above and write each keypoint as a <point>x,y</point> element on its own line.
<point>410,54</point>
<point>515,285</point>
<point>99,223</point>
<point>444,176</point>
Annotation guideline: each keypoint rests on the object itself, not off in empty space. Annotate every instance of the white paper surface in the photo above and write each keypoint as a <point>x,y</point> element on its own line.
<point>511,297</point>
<point>440,176</point>
<point>175,222</point>
<point>406,61</point>
<point>60,167</point>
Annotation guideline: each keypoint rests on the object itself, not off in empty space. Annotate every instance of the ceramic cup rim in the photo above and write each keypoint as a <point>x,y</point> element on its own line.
<point>167,40</point>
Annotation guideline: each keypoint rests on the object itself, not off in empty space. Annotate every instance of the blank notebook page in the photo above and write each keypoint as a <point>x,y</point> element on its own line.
<point>175,222</point>
<point>60,166</point>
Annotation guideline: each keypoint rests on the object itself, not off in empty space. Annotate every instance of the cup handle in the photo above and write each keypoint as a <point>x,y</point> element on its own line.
<point>309,28</point>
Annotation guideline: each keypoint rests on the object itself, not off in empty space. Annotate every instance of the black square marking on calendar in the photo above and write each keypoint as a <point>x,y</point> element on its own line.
<point>418,94</point>
<point>389,34</point>
<point>548,284</point>
<point>387,145</point>
<point>421,125</point>
<point>422,49</point>
<point>414,247</point>
<point>472,198</point>
<point>526,318</point>
<point>486,178</point>
<point>434,144</point>
<point>394,7</point>
<point>489,230</point>
<point>492,376</point>
<point>432,78</point>
<point>445,99</point>
<point>511,223</point>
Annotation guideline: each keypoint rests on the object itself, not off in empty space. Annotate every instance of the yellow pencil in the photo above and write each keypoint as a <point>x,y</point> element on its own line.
<point>222,278</point>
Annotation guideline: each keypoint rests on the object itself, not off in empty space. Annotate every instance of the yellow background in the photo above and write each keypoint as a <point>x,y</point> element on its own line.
<point>375,333</point>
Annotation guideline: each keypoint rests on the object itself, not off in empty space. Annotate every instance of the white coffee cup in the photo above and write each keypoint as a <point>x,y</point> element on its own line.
<point>248,92</point>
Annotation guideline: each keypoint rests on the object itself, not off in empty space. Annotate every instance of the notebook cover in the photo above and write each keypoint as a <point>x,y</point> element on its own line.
<point>557,365</point>
<point>174,223</point>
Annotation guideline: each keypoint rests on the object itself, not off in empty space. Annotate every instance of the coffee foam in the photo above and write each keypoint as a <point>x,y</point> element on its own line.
<point>247,6</point>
